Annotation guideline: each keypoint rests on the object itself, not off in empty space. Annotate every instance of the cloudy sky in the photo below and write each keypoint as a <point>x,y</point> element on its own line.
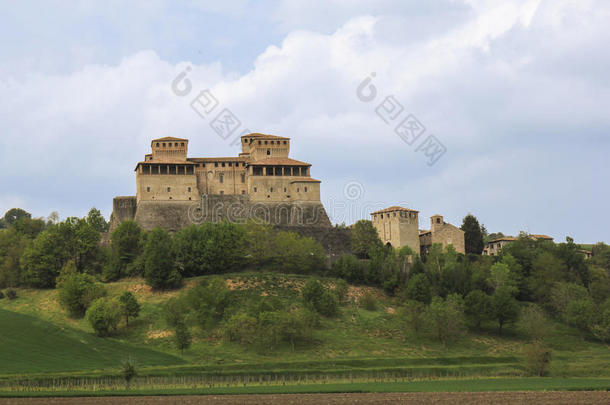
<point>516,92</point>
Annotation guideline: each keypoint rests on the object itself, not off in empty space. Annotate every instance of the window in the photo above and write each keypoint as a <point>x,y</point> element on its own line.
<point>216,164</point>
<point>164,144</point>
<point>157,144</point>
<point>169,189</point>
<point>221,192</point>
<point>243,191</point>
<point>243,178</point>
<point>271,190</point>
<point>148,189</point>
<point>438,220</point>
<point>305,189</point>
<point>394,214</point>
<point>189,189</point>
<point>223,164</point>
<point>222,178</point>
<point>259,142</point>
<point>268,152</point>
<point>255,189</point>
<point>265,142</point>
<point>182,144</point>
<point>298,190</point>
<point>176,144</point>
<point>381,216</point>
<point>284,142</point>
<point>284,189</point>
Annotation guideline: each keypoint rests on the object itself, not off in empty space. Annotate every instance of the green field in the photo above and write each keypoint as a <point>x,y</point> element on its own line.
<point>40,343</point>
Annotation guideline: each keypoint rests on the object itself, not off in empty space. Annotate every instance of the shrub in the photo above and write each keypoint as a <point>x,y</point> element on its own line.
<point>77,292</point>
<point>319,299</point>
<point>419,289</point>
<point>368,301</point>
<point>128,371</point>
<point>11,294</point>
<point>104,315</point>
<point>413,315</point>
<point>477,307</point>
<point>533,323</point>
<point>341,291</point>
<point>208,301</point>
<point>536,358</point>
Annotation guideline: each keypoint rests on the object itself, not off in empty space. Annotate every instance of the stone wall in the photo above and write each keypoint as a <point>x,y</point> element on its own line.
<point>123,208</point>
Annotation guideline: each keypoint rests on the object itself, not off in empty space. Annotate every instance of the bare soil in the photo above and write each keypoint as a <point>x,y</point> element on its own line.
<point>513,398</point>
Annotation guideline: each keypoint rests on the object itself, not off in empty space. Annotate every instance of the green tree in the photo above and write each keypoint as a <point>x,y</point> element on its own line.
<point>534,323</point>
<point>473,235</point>
<point>504,307</point>
<point>208,301</point>
<point>159,270</point>
<point>477,307</point>
<point>319,299</point>
<point>77,291</point>
<point>500,277</point>
<point>601,327</point>
<point>581,313</point>
<point>97,220</point>
<point>182,337</point>
<point>43,259</point>
<point>130,308</point>
<point>445,318</point>
<point>14,214</point>
<point>537,358</point>
<point>364,238</point>
<point>104,315</point>
<point>128,371</point>
<point>413,314</point>
<point>563,293</point>
<point>418,289</point>
<point>126,243</point>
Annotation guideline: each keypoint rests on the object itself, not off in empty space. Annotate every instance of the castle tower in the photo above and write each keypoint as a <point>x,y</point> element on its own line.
<point>398,227</point>
<point>436,222</point>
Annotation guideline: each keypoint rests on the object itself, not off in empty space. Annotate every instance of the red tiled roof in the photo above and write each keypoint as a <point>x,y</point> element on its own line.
<point>169,138</point>
<point>218,159</point>
<point>259,135</point>
<point>545,237</point>
<point>279,162</point>
<point>393,208</point>
<point>503,238</point>
<point>305,180</point>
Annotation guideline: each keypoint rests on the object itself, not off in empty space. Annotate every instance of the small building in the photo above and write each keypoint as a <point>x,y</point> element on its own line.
<point>443,233</point>
<point>397,227</point>
<point>494,246</point>
<point>585,252</point>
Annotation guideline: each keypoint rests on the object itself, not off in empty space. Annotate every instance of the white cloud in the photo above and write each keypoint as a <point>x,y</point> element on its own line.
<point>506,103</point>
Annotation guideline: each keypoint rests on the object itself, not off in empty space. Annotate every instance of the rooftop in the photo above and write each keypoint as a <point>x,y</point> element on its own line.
<point>259,135</point>
<point>279,162</point>
<point>392,209</point>
<point>545,237</point>
<point>169,138</point>
<point>503,238</point>
<point>305,179</point>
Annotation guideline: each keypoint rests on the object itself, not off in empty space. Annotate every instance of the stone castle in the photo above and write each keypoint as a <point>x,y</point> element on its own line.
<point>263,182</point>
<point>399,226</point>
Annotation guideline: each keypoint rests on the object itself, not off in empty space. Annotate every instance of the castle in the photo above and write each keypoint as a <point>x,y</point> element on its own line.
<point>399,226</point>
<point>263,182</point>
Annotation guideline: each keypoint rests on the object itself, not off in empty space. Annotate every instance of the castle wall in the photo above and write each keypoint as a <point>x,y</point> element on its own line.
<point>398,228</point>
<point>166,187</point>
<point>282,189</point>
<point>213,178</point>
<point>123,209</point>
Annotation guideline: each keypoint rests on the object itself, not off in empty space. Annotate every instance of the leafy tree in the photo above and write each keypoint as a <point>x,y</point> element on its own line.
<point>537,358</point>
<point>126,242</point>
<point>418,289</point>
<point>189,243</point>
<point>341,291</point>
<point>182,337</point>
<point>581,313</point>
<point>348,268</point>
<point>174,311</point>
<point>224,247</point>
<point>599,286</point>
<point>77,291</point>
<point>43,259</point>
<point>546,271</point>
<point>12,246</point>
<point>14,214</point>
<point>534,323</point>
<point>563,293</point>
<point>129,306</point>
<point>208,301</point>
<point>504,307</point>
<point>473,235</point>
<point>319,299</point>
<point>413,314</point>
<point>128,371</point>
<point>104,315</point>
<point>445,318</point>
<point>364,238</point>
<point>97,220</point>
<point>601,328</point>
<point>477,307</point>
<point>159,270</point>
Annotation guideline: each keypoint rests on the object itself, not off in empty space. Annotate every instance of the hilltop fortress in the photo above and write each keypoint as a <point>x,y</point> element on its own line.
<point>262,183</point>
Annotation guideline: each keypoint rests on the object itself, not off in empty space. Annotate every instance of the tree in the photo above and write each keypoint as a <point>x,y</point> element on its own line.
<point>182,337</point>
<point>43,259</point>
<point>473,235</point>
<point>319,299</point>
<point>364,238</point>
<point>537,357</point>
<point>413,314</point>
<point>126,247</point>
<point>159,270</point>
<point>504,307</point>
<point>563,293</point>
<point>534,323</point>
<point>128,371</point>
<point>14,214</point>
<point>500,277</point>
<point>129,306</point>
<point>208,301</point>
<point>77,291</point>
<point>581,313</point>
<point>477,307</point>
<point>445,318</point>
<point>601,327</point>
<point>97,220</point>
<point>104,315</point>
<point>419,289</point>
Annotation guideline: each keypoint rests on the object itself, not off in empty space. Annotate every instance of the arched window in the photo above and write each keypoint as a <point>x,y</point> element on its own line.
<point>268,152</point>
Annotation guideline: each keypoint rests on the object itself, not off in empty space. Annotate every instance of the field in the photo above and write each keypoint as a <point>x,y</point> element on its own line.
<point>42,351</point>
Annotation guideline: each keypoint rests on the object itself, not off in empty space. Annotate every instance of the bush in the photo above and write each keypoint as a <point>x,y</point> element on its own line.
<point>11,294</point>
<point>413,314</point>
<point>536,358</point>
<point>534,324</point>
<point>341,291</point>
<point>77,292</point>
<point>368,301</point>
<point>104,315</point>
<point>419,289</point>
<point>319,299</point>
<point>128,371</point>
<point>208,301</point>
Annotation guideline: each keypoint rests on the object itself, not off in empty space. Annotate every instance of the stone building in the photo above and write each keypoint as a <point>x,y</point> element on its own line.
<point>443,233</point>
<point>493,247</point>
<point>262,182</point>
<point>399,226</point>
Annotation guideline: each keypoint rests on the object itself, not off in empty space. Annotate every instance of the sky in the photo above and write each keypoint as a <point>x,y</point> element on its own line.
<point>506,102</point>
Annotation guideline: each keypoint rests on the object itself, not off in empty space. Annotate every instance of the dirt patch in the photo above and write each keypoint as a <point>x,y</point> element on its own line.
<point>159,334</point>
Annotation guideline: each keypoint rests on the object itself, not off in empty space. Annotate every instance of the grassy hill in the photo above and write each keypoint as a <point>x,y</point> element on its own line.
<point>31,345</point>
<point>37,337</point>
